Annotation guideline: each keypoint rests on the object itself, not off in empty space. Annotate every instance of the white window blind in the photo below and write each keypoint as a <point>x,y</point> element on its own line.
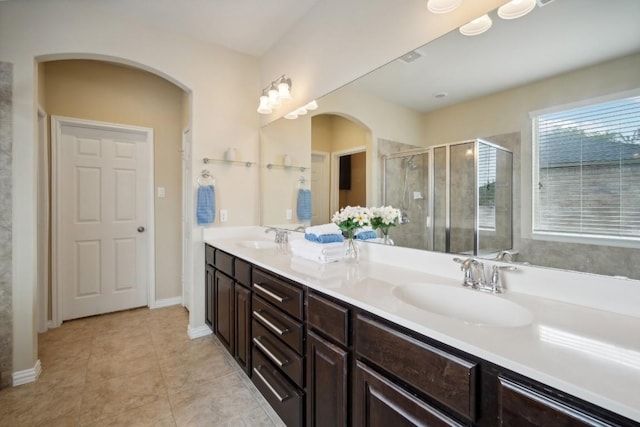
<point>588,170</point>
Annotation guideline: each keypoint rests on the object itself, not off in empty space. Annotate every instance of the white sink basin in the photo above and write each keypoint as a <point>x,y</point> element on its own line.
<point>468,305</point>
<point>258,244</point>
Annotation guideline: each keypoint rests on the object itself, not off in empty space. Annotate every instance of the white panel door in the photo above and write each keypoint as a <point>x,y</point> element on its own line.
<point>102,211</point>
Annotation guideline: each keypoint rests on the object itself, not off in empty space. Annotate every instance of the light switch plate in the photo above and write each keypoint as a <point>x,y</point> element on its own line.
<point>224,215</point>
<point>161,192</point>
<point>289,214</point>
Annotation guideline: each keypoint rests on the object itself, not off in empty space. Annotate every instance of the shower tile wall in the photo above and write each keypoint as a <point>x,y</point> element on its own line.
<point>6,313</point>
<point>411,234</point>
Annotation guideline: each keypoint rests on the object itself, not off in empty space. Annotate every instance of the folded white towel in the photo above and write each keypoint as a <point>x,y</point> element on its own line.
<point>322,259</point>
<point>305,245</point>
<point>317,270</point>
<point>330,228</point>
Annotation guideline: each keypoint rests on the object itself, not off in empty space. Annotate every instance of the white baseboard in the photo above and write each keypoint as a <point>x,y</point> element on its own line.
<point>200,331</point>
<point>167,302</point>
<point>27,376</point>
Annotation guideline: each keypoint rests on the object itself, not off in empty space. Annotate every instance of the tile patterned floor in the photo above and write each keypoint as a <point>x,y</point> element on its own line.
<point>134,368</point>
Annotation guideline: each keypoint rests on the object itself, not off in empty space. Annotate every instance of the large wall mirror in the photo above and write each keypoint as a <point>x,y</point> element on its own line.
<point>396,122</point>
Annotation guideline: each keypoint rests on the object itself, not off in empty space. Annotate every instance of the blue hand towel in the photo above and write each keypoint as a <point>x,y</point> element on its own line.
<point>206,208</point>
<point>323,238</point>
<point>364,235</point>
<point>303,208</point>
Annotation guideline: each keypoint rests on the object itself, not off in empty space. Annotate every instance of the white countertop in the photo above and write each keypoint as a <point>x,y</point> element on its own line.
<point>591,350</point>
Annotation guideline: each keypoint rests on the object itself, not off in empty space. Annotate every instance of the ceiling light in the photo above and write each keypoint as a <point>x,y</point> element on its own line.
<point>291,116</point>
<point>477,26</point>
<point>443,6</point>
<point>313,105</point>
<point>272,95</point>
<point>516,8</point>
<point>301,111</point>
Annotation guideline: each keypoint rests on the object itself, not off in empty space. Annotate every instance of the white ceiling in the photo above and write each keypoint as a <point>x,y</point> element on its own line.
<point>564,35</point>
<point>247,26</point>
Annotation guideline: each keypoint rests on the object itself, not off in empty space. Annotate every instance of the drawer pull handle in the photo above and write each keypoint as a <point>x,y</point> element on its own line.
<point>273,390</point>
<point>270,293</point>
<point>266,351</point>
<point>270,324</point>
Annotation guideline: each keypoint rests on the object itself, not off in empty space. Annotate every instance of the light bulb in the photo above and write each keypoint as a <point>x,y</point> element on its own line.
<point>274,100</point>
<point>443,6</point>
<point>264,107</point>
<point>283,91</point>
<point>477,26</point>
<point>516,8</point>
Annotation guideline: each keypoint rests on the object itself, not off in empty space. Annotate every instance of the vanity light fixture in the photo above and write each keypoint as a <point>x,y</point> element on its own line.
<point>516,9</point>
<point>274,94</point>
<point>313,105</point>
<point>477,26</point>
<point>442,6</point>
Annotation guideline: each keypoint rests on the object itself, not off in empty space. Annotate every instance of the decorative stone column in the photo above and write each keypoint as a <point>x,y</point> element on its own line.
<point>6,312</point>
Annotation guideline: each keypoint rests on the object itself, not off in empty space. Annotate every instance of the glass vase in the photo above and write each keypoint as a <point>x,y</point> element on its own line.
<point>352,251</point>
<point>386,240</point>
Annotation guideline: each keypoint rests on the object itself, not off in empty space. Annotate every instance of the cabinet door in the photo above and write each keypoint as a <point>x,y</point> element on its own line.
<point>523,407</point>
<point>208,296</point>
<point>224,324</point>
<point>243,327</point>
<point>380,402</point>
<point>327,383</point>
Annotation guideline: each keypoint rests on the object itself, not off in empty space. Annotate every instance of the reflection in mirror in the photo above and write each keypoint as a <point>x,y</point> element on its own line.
<point>470,200</point>
<point>566,52</point>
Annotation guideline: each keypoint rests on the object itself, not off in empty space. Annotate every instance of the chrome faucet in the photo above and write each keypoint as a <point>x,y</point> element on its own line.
<point>504,255</point>
<point>474,276</point>
<point>282,236</point>
<point>473,272</point>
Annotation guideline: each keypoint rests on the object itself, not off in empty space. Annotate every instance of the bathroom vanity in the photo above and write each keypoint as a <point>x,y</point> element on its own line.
<point>338,344</point>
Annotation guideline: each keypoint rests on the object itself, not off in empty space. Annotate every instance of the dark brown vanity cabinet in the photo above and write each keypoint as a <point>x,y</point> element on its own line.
<point>224,300</point>
<point>328,379</point>
<point>321,362</point>
<point>278,344</point>
<point>228,303</point>
<point>409,367</point>
<point>520,405</point>
<point>209,255</point>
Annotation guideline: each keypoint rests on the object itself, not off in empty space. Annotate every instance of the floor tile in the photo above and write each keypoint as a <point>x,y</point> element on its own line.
<point>134,368</point>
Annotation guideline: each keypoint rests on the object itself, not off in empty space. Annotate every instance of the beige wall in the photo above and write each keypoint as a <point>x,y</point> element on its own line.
<point>107,92</point>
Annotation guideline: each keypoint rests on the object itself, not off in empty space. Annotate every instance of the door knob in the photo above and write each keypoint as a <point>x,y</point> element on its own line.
<point>140,229</point>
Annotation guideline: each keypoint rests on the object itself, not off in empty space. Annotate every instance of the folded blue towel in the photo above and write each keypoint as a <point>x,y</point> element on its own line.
<point>324,238</point>
<point>303,208</point>
<point>206,207</point>
<point>364,235</point>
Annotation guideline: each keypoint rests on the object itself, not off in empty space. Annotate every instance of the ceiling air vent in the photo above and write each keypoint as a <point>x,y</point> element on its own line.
<point>410,57</point>
<point>544,2</point>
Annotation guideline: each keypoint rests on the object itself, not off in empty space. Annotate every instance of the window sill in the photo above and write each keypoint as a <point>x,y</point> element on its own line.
<point>586,239</point>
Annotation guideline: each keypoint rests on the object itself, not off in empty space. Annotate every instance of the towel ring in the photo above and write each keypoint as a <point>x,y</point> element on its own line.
<point>204,176</point>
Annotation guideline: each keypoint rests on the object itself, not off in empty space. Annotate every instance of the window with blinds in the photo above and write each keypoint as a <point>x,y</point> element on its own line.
<point>587,176</point>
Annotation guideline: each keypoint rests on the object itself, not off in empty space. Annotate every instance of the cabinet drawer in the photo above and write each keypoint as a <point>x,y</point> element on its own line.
<point>380,402</point>
<point>282,326</point>
<point>328,317</point>
<point>209,255</point>
<point>282,356</point>
<point>283,396</point>
<point>283,295</point>
<point>521,406</point>
<point>442,376</point>
<point>242,271</point>
<point>224,262</point>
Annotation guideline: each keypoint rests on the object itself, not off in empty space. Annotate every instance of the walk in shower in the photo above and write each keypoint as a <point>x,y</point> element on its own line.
<point>456,197</point>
